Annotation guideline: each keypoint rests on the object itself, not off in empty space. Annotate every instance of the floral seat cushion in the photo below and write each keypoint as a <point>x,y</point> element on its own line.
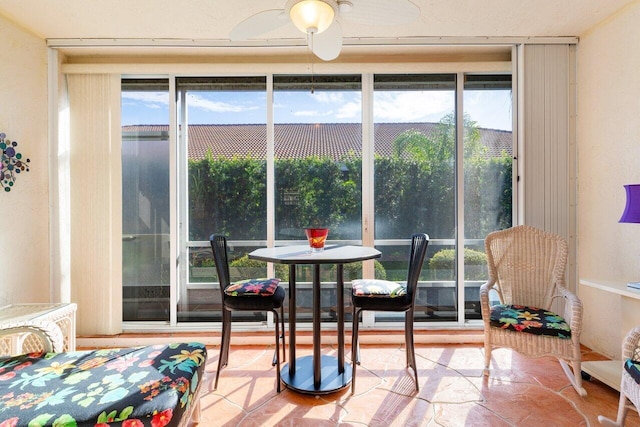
<point>377,288</point>
<point>530,320</point>
<point>152,386</point>
<point>252,287</point>
<point>633,368</point>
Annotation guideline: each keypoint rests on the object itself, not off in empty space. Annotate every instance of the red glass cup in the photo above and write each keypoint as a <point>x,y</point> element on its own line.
<point>317,237</point>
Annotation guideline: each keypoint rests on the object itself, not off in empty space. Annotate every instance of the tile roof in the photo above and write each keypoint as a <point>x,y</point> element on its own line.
<point>303,139</point>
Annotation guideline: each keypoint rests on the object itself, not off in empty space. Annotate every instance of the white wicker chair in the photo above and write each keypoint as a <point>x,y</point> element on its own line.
<point>629,389</point>
<point>527,268</point>
<point>26,337</point>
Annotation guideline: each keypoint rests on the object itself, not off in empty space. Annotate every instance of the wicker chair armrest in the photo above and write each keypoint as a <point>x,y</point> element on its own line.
<point>631,344</point>
<point>485,303</point>
<point>48,332</point>
<point>572,309</point>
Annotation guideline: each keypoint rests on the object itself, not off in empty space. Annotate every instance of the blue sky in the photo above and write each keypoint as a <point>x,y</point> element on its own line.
<point>490,109</point>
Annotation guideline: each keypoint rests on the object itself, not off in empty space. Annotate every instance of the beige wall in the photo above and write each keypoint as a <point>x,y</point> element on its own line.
<point>608,157</point>
<point>24,211</point>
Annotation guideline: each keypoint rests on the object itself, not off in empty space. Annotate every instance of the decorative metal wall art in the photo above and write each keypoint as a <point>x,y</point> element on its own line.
<point>12,163</point>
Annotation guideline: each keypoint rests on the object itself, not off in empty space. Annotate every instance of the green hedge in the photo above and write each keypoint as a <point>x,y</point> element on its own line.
<point>228,196</point>
<point>414,191</point>
<point>442,265</point>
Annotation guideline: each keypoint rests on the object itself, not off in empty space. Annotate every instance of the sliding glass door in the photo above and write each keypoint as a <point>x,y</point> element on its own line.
<point>374,157</point>
<point>415,184</point>
<point>318,173</point>
<point>224,135</point>
<point>145,200</point>
<point>488,175</point>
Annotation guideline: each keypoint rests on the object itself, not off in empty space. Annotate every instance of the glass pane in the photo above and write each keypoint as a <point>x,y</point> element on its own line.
<point>226,118</point>
<point>145,199</point>
<point>318,171</point>
<point>203,303</point>
<point>488,154</point>
<point>415,182</point>
<point>227,177</point>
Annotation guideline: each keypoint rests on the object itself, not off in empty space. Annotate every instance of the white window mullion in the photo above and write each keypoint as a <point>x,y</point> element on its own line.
<point>271,182</point>
<point>179,138</point>
<point>271,179</point>
<point>460,195</point>
<point>367,167</point>
<point>175,248</point>
<point>368,188</point>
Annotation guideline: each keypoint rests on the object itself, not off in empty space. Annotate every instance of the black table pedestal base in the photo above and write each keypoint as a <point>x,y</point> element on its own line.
<point>302,380</point>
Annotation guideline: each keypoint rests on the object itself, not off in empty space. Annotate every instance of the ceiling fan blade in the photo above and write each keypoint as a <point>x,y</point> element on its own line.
<point>381,12</point>
<point>328,44</point>
<point>258,24</point>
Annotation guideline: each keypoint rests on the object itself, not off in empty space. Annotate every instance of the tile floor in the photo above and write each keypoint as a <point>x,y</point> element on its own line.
<point>453,391</point>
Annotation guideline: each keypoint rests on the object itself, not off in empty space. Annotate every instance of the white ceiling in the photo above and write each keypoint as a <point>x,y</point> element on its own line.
<point>211,21</point>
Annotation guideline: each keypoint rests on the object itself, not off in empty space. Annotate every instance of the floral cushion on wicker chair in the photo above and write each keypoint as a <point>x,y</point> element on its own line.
<point>378,288</point>
<point>531,320</point>
<point>633,368</point>
<point>253,287</point>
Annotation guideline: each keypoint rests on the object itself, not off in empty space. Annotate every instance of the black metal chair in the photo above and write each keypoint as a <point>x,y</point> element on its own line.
<point>384,295</point>
<point>247,295</point>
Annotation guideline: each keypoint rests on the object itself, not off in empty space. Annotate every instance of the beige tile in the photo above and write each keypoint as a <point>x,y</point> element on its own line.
<point>453,391</point>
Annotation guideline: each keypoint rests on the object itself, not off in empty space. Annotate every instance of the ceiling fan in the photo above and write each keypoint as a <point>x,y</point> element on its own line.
<point>321,20</point>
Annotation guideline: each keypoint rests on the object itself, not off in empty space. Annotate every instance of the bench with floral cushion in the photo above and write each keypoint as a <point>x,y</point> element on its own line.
<point>154,386</point>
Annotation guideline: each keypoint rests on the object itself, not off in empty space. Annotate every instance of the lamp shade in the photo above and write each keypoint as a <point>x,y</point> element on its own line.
<point>312,16</point>
<point>632,209</point>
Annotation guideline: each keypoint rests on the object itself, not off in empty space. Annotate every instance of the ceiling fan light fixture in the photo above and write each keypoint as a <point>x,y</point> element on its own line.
<point>312,16</point>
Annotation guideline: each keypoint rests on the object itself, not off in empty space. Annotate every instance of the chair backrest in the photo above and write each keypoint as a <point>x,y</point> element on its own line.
<point>528,265</point>
<point>419,244</point>
<point>219,248</point>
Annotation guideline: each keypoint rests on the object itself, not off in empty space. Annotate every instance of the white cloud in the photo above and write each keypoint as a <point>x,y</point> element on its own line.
<point>350,110</point>
<point>149,99</point>
<point>336,106</point>
<point>312,113</point>
<point>195,101</point>
<point>412,106</point>
<point>327,97</point>
<point>490,109</point>
<point>305,113</point>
